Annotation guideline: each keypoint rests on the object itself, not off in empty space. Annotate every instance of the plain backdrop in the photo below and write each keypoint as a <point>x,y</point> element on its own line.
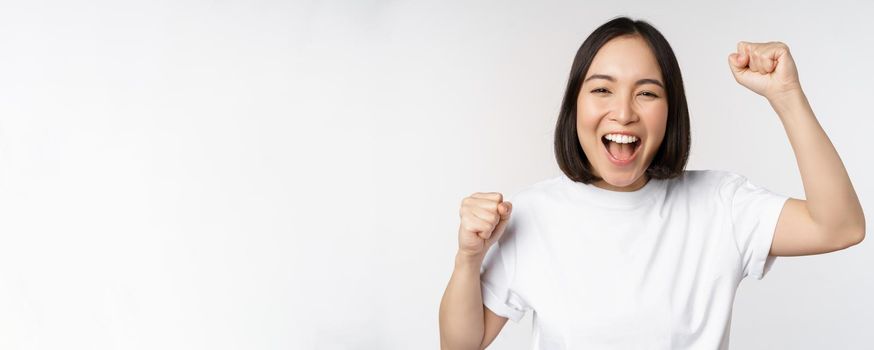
<point>287,175</point>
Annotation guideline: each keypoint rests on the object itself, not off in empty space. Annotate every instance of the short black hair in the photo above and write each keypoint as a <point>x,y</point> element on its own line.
<point>670,160</point>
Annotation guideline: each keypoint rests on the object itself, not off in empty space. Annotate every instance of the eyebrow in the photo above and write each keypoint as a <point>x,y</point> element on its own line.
<point>639,82</point>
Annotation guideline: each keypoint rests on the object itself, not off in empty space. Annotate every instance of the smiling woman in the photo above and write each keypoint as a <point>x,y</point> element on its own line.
<point>625,80</point>
<point>626,249</point>
<point>622,102</point>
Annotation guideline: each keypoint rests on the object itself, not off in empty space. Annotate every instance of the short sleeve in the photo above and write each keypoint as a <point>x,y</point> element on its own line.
<point>498,273</point>
<point>754,213</point>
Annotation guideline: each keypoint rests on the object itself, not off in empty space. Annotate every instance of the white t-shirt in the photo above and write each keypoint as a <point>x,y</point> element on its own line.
<point>656,268</point>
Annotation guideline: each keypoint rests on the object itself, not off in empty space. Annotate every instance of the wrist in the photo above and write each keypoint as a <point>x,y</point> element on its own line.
<point>467,260</point>
<point>786,99</point>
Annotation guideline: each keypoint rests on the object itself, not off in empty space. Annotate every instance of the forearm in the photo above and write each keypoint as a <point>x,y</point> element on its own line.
<point>461,311</point>
<point>831,199</point>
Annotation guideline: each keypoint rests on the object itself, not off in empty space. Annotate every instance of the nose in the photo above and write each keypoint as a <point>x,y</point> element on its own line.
<point>625,112</point>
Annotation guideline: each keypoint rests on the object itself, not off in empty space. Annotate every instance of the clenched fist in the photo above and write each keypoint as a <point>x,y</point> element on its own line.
<point>483,219</point>
<point>765,68</point>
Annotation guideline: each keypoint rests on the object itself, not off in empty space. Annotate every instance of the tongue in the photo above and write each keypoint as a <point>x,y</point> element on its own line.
<point>621,151</point>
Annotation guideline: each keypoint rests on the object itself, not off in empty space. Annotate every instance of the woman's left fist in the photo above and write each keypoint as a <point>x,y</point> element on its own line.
<point>765,68</point>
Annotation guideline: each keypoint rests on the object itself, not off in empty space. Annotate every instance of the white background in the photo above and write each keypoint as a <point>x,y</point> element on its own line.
<point>268,175</point>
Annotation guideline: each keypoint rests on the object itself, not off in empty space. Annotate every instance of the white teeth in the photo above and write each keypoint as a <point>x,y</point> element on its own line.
<point>619,138</point>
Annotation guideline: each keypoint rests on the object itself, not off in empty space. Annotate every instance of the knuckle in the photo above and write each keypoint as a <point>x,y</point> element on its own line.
<point>493,207</point>
<point>469,201</point>
<point>495,196</point>
<point>492,218</point>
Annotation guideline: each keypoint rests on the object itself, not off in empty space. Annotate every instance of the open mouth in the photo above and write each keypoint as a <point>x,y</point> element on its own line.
<point>621,148</point>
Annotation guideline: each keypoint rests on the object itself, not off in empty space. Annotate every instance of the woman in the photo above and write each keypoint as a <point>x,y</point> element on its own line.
<point>626,249</point>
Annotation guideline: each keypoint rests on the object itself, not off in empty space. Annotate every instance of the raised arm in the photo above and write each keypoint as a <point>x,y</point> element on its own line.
<point>465,323</point>
<point>831,217</point>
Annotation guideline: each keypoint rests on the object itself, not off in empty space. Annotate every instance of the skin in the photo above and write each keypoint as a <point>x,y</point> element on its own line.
<point>613,99</point>
<point>831,217</point>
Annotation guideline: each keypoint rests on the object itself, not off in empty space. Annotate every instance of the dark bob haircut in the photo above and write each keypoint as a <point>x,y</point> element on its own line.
<point>670,160</point>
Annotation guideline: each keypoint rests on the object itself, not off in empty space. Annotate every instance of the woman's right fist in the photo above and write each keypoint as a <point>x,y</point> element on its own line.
<point>483,219</point>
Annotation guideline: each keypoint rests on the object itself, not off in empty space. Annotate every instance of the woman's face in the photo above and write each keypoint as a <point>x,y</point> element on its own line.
<point>622,111</point>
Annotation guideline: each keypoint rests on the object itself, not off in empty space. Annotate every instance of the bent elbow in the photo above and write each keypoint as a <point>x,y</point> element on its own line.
<point>855,230</point>
<point>860,236</point>
<point>855,235</point>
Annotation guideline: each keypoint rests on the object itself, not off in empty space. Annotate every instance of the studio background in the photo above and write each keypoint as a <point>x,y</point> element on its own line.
<point>274,175</point>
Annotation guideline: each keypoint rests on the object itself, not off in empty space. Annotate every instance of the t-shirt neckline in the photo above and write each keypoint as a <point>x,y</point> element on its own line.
<point>616,199</point>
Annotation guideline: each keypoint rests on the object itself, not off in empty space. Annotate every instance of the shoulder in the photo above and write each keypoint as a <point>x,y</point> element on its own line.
<point>707,183</point>
<point>539,195</point>
<point>709,178</point>
<point>540,190</point>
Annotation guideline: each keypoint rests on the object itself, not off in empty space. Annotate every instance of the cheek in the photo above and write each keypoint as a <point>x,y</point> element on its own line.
<point>655,118</point>
<point>589,114</point>
<point>587,124</point>
<point>592,107</point>
<point>654,108</point>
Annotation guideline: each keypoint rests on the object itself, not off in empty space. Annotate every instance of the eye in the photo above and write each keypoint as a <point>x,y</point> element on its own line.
<point>601,91</point>
<point>648,94</point>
